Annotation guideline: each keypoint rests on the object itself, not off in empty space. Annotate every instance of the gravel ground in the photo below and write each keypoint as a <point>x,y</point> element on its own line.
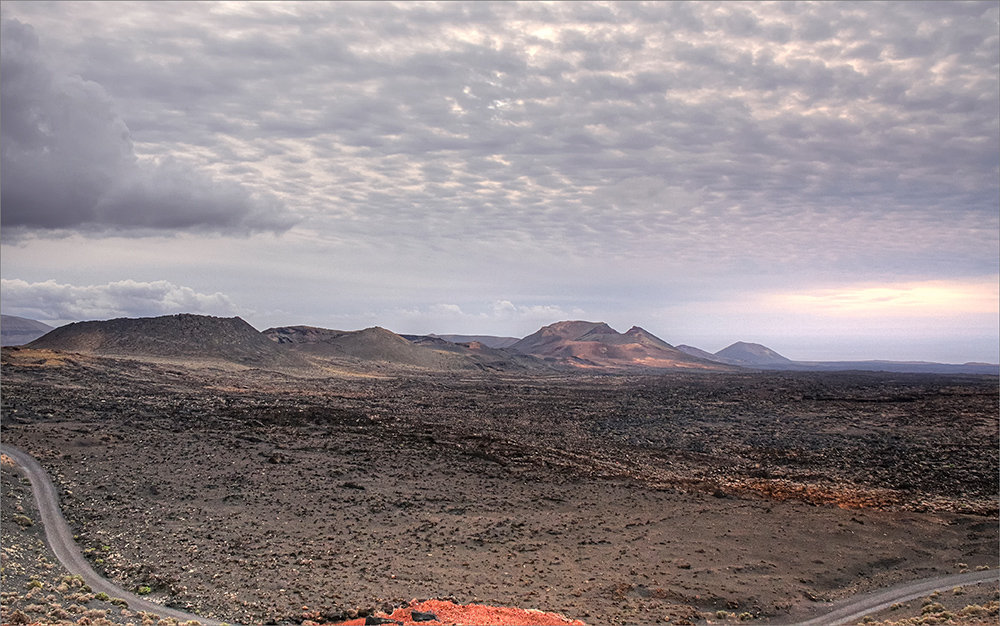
<point>260,496</point>
<point>36,588</point>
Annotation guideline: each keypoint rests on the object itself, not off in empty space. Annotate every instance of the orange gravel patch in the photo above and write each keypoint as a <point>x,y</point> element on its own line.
<point>449,613</point>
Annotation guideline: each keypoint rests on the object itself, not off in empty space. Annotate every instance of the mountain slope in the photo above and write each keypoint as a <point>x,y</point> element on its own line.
<point>698,352</point>
<point>370,344</point>
<point>750,354</point>
<point>181,336</point>
<point>597,345</point>
<point>489,341</point>
<point>16,331</point>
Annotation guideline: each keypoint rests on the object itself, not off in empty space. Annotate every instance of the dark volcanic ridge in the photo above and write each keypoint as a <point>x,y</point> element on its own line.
<point>17,331</point>
<point>183,336</point>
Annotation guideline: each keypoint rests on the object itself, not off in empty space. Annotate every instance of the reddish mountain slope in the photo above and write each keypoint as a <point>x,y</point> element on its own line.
<point>597,345</point>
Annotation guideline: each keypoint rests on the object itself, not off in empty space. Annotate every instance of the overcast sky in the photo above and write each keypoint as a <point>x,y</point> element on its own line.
<point>820,178</point>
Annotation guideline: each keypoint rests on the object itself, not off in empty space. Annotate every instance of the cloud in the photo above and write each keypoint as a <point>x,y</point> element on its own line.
<point>596,129</point>
<point>68,161</point>
<point>934,298</point>
<point>614,157</point>
<point>53,301</point>
<point>473,318</point>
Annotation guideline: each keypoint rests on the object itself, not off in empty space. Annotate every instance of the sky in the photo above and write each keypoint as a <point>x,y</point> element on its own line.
<point>821,178</point>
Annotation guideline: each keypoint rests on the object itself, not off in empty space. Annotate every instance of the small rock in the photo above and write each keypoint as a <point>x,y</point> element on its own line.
<point>423,616</point>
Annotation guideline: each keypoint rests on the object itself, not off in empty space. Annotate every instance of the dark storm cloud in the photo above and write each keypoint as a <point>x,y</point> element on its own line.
<point>68,161</point>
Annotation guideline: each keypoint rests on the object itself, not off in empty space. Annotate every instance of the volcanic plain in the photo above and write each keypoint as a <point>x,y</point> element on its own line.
<point>259,494</point>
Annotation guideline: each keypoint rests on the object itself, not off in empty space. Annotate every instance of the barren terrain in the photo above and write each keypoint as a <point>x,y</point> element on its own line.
<point>264,496</point>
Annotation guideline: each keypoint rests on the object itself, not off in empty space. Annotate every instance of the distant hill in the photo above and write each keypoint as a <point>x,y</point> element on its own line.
<point>750,354</point>
<point>597,345</point>
<point>756,356</point>
<point>178,336</point>
<point>698,352</point>
<point>370,344</point>
<point>381,345</point>
<point>16,331</point>
<point>489,341</point>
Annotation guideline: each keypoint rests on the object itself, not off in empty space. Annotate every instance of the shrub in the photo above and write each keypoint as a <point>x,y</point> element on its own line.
<point>18,617</point>
<point>103,597</point>
<point>60,614</point>
<point>934,607</point>
<point>73,581</point>
<point>974,610</point>
<point>143,590</point>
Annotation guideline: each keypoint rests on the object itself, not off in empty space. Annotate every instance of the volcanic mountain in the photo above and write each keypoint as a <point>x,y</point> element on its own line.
<point>490,341</point>
<point>750,354</point>
<point>183,336</point>
<point>15,331</point>
<point>370,344</point>
<point>597,345</point>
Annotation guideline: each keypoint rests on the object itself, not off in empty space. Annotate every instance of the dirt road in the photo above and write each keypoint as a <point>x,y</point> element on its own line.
<point>60,539</point>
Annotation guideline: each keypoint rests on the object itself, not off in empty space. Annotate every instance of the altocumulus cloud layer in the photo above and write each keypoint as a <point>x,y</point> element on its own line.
<point>68,160</point>
<point>586,126</point>
<point>553,155</point>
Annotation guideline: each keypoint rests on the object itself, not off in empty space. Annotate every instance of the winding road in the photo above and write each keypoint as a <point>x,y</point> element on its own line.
<point>853,609</point>
<point>60,539</point>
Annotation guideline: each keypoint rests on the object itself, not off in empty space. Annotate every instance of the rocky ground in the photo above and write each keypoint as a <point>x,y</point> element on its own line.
<point>36,588</point>
<point>261,496</point>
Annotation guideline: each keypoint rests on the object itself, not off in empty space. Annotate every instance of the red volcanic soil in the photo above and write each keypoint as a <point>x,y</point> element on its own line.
<point>448,612</point>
